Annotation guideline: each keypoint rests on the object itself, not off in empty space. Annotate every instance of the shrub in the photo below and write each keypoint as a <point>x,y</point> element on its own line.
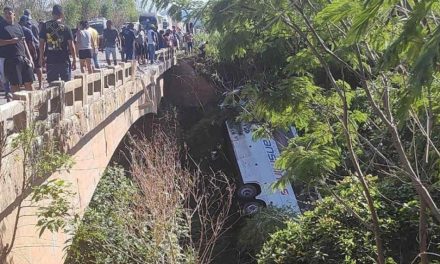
<point>333,234</point>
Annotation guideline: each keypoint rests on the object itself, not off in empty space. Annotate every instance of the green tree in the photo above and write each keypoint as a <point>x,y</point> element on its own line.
<point>181,10</point>
<point>359,81</point>
<point>331,234</point>
<point>119,11</point>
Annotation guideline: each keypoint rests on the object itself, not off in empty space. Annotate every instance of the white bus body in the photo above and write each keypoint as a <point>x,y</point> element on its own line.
<point>256,159</point>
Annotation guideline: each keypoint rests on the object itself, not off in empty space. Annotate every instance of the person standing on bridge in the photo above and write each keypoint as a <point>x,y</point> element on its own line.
<point>140,45</point>
<point>4,82</point>
<point>85,47</point>
<point>33,46</point>
<point>95,40</point>
<point>18,66</point>
<point>32,24</point>
<point>129,42</point>
<point>121,37</point>
<point>111,41</point>
<point>56,41</point>
<point>152,41</point>
<point>161,40</point>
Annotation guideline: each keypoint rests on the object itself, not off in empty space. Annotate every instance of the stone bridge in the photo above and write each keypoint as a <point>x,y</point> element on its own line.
<point>87,117</point>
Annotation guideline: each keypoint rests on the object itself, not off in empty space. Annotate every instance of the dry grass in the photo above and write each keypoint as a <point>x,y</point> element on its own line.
<point>187,209</point>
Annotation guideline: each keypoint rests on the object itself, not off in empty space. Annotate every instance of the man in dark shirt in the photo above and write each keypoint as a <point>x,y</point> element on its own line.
<point>33,46</point>
<point>33,25</point>
<point>4,83</point>
<point>111,40</point>
<point>56,41</point>
<point>18,66</point>
<point>129,38</point>
<point>121,37</point>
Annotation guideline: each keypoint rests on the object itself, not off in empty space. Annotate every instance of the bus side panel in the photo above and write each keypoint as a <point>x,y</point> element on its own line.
<point>256,163</point>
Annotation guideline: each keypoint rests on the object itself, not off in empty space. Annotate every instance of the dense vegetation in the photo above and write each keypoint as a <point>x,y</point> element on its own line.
<point>157,210</point>
<point>360,81</point>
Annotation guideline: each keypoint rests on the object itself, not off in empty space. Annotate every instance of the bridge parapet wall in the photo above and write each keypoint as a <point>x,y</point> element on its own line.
<point>87,116</point>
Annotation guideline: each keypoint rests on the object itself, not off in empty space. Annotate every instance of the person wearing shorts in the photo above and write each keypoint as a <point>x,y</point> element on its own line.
<point>32,43</point>
<point>18,66</point>
<point>84,46</point>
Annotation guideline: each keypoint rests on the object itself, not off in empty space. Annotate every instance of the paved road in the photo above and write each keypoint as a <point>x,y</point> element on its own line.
<point>102,62</point>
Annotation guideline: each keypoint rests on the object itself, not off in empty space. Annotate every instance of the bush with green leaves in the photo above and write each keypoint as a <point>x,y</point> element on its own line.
<point>258,227</point>
<point>103,235</point>
<point>332,233</point>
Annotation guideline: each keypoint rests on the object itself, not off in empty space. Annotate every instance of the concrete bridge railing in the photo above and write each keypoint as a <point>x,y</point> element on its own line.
<point>64,99</point>
<point>87,117</point>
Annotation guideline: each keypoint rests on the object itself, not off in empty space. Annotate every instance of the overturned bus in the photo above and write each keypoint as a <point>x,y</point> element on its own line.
<point>255,160</point>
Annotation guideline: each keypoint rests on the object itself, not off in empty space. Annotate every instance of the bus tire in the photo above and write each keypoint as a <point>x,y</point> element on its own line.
<point>247,191</point>
<point>252,207</point>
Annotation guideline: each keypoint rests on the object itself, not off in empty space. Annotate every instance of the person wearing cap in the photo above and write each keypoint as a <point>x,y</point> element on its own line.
<point>56,41</point>
<point>32,24</point>
<point>33,46</point>
<point>18,66</point>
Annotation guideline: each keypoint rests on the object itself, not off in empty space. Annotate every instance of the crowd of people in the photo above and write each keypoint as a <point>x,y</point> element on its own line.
<point>28,47</point>
<point>141,44</point>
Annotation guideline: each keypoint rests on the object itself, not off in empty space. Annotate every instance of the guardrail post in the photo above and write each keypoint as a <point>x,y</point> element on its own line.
<point>98,85</point>
<point>57,104</point>
<point>121,72</point>
<point>83,91</point>
<point>112,78</point>
<point>133,69</point>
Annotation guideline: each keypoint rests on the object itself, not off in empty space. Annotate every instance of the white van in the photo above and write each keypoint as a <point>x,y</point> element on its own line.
<point>255,162</point>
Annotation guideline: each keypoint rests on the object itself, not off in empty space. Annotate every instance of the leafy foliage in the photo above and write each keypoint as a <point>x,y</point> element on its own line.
<point>332,234</point>
<point>359,80</point>
<point>119,11</point>
<point>55,214</point>
<point>258,227</point>
<point>113,232</point>
<point>180,10</point>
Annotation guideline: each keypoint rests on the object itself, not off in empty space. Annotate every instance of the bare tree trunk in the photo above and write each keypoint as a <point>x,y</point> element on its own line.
<point>374,218</point>
<point>353,156</point>
<point>423,234</point>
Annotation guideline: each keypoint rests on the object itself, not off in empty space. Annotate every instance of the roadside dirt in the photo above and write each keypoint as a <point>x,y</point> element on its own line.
<point>185,87</point>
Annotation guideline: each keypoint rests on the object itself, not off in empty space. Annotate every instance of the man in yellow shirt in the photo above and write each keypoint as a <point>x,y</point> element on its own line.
<point>95,40</point>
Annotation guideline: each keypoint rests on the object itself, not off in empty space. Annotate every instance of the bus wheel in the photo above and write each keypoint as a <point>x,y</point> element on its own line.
<point>247,191</point>
<point>252,207</point>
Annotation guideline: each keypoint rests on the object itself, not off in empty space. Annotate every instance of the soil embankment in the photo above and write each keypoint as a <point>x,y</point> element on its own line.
<point>185,87</point>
